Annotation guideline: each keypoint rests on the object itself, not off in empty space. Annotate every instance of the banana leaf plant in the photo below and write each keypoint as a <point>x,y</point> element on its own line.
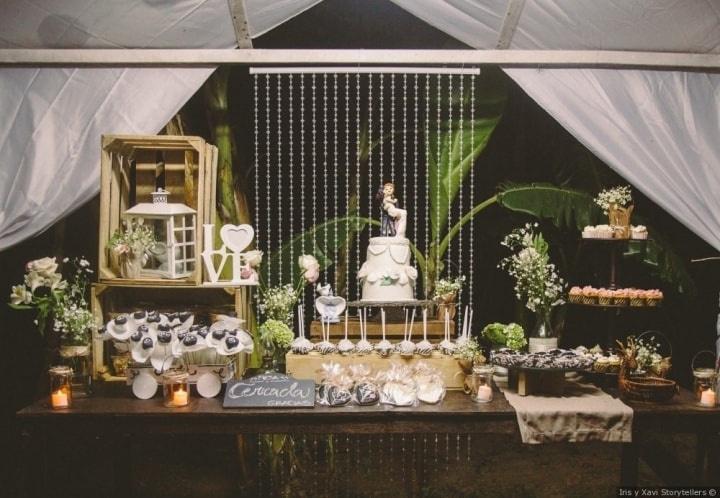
<point>452,152</point>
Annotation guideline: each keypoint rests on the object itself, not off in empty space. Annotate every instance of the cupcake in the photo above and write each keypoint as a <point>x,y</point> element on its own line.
<point>589,232</point>
<point>654,297</point>
<point>613,363</point>
<point>620,297</point>
<point>637,297</point>
<point>604,232</point>
<point>575,295</point>
<point>605,297</point>
<point>602,364</point>
<point>639,232</point>
<point>589,295</point>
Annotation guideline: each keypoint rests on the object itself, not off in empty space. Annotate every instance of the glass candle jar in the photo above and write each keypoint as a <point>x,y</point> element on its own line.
<point>176,389</point>
<point>60,387</point>
<point>705,378</point>
<point>479,384</point>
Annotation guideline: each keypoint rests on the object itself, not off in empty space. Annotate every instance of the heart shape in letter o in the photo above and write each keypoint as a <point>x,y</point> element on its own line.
<point>237,237</point>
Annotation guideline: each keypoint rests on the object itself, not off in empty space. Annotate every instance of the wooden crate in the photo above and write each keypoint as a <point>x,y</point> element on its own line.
<point>108,300</point>
<point>128,176</point>
<point>393,331</point>
<point>308,366</point>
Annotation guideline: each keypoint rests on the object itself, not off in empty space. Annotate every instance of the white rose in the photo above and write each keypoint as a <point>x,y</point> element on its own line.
<point>308,262</point>
<point>253,258</point>
<point>20,295</point>
<point>43,266</point>
<point>34,280</point>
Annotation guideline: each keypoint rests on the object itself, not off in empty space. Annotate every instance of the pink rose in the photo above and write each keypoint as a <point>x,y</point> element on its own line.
<point>312,275</point>
<point>246,272</point>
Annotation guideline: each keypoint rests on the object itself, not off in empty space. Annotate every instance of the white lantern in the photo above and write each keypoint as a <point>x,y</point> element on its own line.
<point>173,224</point>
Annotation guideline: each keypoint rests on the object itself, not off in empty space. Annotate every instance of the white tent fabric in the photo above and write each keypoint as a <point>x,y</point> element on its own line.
<point>44,174</point>
<point>658,129</point>
<point>53,117</point>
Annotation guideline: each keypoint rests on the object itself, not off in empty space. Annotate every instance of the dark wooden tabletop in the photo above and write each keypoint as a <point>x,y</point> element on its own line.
<point>455,414</point>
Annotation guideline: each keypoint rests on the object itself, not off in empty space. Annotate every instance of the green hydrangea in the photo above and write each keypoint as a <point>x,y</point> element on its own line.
<point>511,335</point>
<point>278,332</point>
<point>515,336</point>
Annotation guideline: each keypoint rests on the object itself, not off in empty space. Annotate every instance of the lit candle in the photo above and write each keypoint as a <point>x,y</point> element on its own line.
<point>59,399</point>
<point>484,393</point>
<point>708,398</point>
<point>180,397</point>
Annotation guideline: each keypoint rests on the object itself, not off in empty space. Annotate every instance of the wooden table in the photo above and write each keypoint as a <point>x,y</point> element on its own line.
<point>122,417</point>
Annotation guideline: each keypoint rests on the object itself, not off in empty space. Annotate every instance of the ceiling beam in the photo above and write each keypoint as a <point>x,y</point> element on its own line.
<point>510,22</point>
<point>239,20</point>
<point>505,58</point>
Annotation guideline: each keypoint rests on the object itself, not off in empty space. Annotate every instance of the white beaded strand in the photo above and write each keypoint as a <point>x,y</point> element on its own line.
<point>314,160</point>
<point>427,177</point>
<point>370,151</point>
<point>347,180</point>
<point>279,170</point>
<point>472,190</point>
<point>392,131</point>
<point>460,189</point>
<point>416,205</point>
<point>267,169</point>
<point>291,162</point>
<point>336,174</point>
<point>325,169</point>
<point>382,132</point>
<point>302,158</point>
<point>257,155</point>
<point>437,194</point>
<point>357,182</point>
<point>450,157</point>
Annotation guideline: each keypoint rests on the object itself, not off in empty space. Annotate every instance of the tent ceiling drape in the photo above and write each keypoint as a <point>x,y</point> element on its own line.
<point>656,128</point>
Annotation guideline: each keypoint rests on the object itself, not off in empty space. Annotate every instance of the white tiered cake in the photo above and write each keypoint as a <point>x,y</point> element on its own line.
<point>387,274</point>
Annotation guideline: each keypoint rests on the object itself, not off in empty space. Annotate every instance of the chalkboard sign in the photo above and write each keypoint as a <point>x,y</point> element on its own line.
<point>271,390</point>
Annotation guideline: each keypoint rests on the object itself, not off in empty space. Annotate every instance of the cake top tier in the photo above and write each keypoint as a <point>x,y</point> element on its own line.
<point>401,241</point>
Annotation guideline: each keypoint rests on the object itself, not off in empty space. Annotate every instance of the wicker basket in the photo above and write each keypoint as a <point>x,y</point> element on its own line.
<point>654,389</point>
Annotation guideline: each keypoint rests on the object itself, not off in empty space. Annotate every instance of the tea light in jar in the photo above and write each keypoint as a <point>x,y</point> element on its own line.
<point>59,399</point>
<point>180,397</point>
<point>484,393</point>
<point>708,398</point>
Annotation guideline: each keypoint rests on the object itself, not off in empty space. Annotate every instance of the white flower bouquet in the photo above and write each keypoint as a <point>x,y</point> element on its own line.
<point>618,196</point>
<point>537,281</point>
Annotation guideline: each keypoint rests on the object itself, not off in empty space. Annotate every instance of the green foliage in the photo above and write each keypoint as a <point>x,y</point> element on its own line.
<point>566,208</point>
<point>346,228</point>
<point>574,209</point>
<point>450,158</point>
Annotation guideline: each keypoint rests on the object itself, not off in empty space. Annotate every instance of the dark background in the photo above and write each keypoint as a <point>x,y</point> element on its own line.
<point>528,145</point>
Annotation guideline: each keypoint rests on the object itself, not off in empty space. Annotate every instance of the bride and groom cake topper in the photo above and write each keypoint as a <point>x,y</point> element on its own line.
<point>393,219</point>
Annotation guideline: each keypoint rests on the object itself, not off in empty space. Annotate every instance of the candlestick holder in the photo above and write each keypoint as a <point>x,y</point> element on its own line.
<point>176,388</point>
<point>479,384</point>
<point>60,387</point>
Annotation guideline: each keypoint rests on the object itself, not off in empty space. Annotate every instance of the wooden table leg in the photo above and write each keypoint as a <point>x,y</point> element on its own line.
<point>629,463</point>
<point>701,451</point>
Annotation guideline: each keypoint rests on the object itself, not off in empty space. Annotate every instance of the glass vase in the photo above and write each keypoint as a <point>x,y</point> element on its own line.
<point>543,336</point>
<point>77,357</point>
<point>268,356</point>
<point>279,360</point>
